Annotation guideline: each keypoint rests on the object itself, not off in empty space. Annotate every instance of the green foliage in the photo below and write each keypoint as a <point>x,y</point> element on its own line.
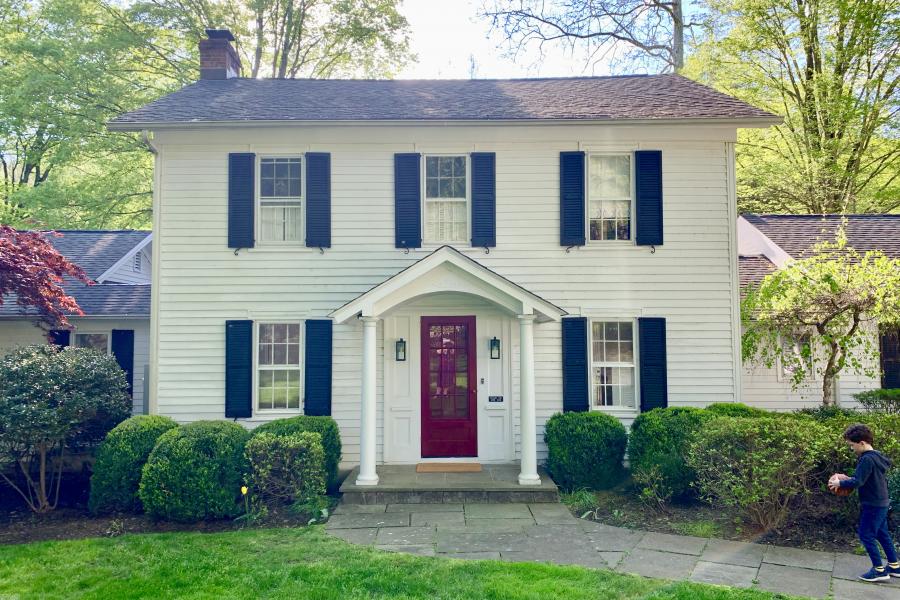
<point>581,501</point>
<point>824,413</point>
<point>894,488</point>
<point>736,409</point>
<point>287,468</point>
<point>585,449</point>
<point>703,529</point>
<point>827,299</point>
<point>324,426</point>
<point>51,400</point>
<point>195,472</point>
<point>758,466</point>
<point>880,400</point>
<point>120,458</point>
<point>657,447</point>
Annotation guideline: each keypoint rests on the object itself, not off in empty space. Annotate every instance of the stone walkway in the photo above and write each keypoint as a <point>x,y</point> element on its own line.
<point>549,533</point>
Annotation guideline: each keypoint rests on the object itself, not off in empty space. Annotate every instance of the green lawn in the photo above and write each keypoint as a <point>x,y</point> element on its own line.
<point>299,563</point>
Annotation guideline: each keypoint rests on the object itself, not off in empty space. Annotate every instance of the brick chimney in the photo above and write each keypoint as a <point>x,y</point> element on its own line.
<point>218,58</point>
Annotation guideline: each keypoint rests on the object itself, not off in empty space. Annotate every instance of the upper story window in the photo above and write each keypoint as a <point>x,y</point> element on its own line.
<point>278,366</point>
<point>97,341</point>
<point>610,196</point>
<point>612,364</point>
<point>280,200</point>
<point>446,199</point>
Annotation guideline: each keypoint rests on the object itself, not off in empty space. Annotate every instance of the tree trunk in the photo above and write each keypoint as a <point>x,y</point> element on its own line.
<point>828,390</point>
<point>677,36</point>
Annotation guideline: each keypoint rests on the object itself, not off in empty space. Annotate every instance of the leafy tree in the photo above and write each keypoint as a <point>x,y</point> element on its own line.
<point>32,270</point>
<point>647,32</point>
<point>831,304</point>
<point>831,68</point>
<point>50,400</point>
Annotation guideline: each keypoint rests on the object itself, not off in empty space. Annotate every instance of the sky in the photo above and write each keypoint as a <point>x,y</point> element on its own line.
<point>447,35</point>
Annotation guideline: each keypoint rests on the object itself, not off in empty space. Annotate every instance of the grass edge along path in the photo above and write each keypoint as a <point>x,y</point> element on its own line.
<point>302,563</point>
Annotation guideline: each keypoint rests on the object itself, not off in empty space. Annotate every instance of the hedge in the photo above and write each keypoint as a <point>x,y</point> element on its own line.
<point>120,458</point>
<point>324,426</point>
<point>585,449</point>
<point>880,400</point>
<point>287,468</point>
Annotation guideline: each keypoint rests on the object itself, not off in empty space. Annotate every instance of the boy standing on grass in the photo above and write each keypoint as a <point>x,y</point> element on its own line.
<point>871,482</point>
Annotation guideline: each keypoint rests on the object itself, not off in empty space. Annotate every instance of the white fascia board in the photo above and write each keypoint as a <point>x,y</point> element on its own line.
<point>753,242</point>
<point>125,258</point>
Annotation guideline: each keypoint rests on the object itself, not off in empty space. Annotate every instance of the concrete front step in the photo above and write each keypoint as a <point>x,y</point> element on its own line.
<point>401,484</point>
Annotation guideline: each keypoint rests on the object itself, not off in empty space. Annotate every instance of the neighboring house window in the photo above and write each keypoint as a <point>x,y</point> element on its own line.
<point>612,364</point>
<point>610,196</point>
<point>446,199</point>
<point>136,267</point>
<point>278,365</point>
<point>800,346</point>
<point>280,196</point>
<point>97,341</point>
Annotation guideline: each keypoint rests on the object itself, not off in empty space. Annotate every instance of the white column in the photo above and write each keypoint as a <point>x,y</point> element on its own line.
<point>528,474</point>
<point>367,474</point>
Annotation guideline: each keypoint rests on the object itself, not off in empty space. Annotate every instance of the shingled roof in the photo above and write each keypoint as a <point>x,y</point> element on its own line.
<point>752,269</point>
<point>632,97</point>
<point>797,234</point>
<point>95,252</point>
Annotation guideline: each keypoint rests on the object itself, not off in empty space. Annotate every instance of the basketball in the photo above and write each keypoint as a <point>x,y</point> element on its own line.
<point>843,492</point>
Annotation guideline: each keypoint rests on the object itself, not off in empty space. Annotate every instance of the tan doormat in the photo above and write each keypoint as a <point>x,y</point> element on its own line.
<point>448,468</point>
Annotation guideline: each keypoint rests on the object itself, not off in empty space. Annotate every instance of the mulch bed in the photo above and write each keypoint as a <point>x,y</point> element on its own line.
<point>827,532</point>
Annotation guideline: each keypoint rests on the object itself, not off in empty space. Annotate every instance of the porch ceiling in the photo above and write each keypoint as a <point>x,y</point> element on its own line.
<point>447,270</point>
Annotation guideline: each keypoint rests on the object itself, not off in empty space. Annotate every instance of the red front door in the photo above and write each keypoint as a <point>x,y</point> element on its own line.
<point>449,427</point>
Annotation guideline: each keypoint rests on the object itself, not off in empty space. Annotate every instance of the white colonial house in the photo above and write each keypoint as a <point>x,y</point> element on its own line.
<point>441,265</point>
<point>769,242</point>
<point>116,317</point>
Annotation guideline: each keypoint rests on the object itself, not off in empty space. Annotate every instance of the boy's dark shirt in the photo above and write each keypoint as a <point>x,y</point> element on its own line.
<point>870,479</point>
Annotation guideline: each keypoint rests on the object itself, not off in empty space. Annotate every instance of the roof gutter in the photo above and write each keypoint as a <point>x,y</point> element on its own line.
<point>145,137</point>
<point>144,127</point>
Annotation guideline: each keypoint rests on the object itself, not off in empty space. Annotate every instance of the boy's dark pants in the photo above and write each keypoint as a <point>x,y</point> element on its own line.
<point>873,529</point>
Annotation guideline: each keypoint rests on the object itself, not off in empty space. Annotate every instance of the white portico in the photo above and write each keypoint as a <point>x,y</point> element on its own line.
<point>450,328</point>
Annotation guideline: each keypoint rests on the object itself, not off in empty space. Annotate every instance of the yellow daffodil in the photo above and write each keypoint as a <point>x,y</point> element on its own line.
<point>244,490</point>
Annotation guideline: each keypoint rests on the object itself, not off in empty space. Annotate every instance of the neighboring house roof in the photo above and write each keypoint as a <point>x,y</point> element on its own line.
<point>794,235</point>
<point>631,97</point>
<point>96,252</point>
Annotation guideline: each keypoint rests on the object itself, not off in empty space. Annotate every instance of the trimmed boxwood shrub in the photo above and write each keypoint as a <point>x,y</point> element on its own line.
<point>880,400</point>
<point>120,458</point>
<point>585,449</point>
<point>324,426</point>
<point>657,447</point>
<point>736,409</point>
<point>287,468</point>
<point>196,472</point>
<point>759,466</point>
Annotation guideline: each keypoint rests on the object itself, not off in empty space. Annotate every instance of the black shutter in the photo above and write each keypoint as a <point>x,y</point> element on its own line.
<point>407,201</point>
<point>648,197</point>
<point>317,384</point>
<point>241,203</point>
<point>571,199</point>
<point>484,199</point>
<point>60,337</point>
<point>318,199</point>
<point>238,369</point>
<point>123,351</point>
<point>652,348</point>
<point>890,358</point>
<point>575,364</point>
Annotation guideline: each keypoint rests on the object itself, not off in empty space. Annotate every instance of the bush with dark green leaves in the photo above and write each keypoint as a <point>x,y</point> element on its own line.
<point>736,409</point>
<point>53,401</point>
<point>120,458</point>
<point>286,468</point>
<point>585,449</point>
<point>887,401</point>
<point>760,467</point>
<point>324,426</point>
<point>196,472</point>
<point>894,489</point>
<point>656,451</point>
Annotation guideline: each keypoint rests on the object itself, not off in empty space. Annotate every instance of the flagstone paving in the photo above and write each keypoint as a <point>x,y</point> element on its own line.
<point>547,532</point>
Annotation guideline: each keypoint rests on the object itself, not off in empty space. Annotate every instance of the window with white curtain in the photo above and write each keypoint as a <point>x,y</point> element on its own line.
<point>610,196</point>
<point>446,199</point>
<point>280,199</point>
<point>278,366</point>
<point>612,364</point>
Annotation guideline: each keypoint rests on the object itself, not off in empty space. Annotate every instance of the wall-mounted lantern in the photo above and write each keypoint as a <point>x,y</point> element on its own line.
<point>400,350</point>
<point>495,348</point>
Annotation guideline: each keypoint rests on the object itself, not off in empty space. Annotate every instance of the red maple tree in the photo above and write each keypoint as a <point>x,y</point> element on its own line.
<point>32,271</point>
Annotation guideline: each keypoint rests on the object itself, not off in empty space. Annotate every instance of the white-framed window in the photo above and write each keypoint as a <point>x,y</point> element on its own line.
<point>446,199</point>
<point>278,366</point>
<point>97,341</point>
<point>280,194</point>
<point>613,380</point>
<point>610,202</point>
<point>800,346</point>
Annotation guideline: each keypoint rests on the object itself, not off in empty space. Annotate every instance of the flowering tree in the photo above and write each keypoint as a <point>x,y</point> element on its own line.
<point>819,315</point>
<point>32,270</point>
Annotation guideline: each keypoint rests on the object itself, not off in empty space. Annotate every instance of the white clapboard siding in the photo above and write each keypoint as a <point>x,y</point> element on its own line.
<point>201,283</point>
<point>126,273</point>
<point>22,332</point>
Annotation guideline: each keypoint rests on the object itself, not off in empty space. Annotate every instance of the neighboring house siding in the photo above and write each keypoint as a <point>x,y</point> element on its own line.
<point>126,273</point>
<point>22,332</point>
<point>201,283</point>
